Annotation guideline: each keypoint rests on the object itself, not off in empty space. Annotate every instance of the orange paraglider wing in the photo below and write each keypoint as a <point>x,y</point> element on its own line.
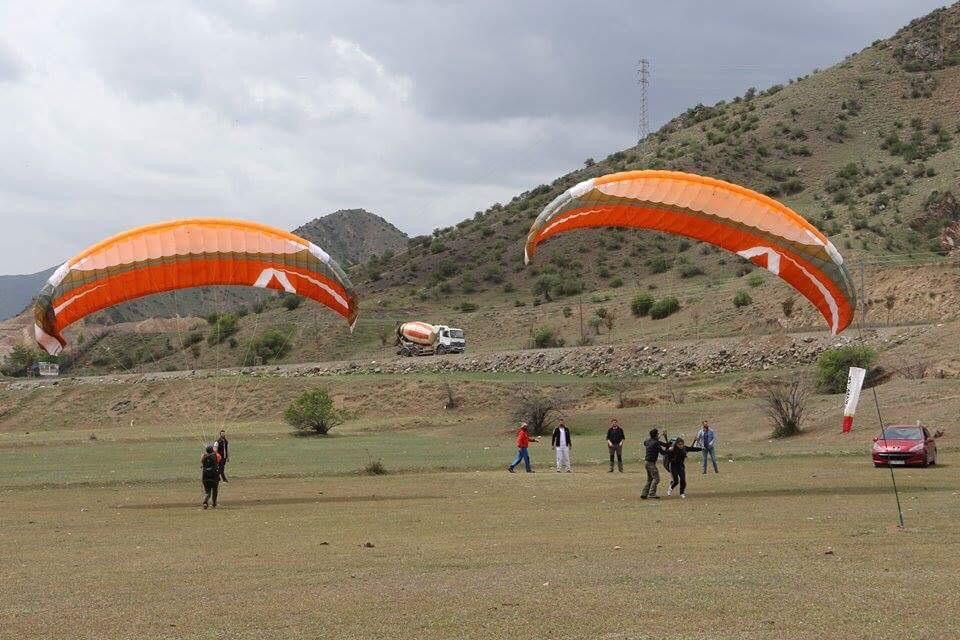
<point>187,253</point>
<point>752,225</point>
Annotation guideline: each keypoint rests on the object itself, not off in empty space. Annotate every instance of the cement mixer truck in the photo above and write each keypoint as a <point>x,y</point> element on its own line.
<point>423,339</point>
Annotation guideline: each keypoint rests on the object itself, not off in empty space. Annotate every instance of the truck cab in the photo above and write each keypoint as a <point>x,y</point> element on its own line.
<point>450,340</point>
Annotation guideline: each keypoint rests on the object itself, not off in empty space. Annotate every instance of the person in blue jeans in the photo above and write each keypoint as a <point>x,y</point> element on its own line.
<point>707,439</point>
<point>523,441</point>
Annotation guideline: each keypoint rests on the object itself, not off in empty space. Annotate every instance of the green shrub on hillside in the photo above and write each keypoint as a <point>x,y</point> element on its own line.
<point>640,306</point>
<point>547,338</point>
<point>742,299</point>
<point>664,308</point>
<point>658,264</point>
<point>833,366</point>
<point>224,327</point>
<point>270,345</point>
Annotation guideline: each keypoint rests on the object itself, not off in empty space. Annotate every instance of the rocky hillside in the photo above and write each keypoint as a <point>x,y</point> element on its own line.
<point>353,235</point>
<point>867,150</point>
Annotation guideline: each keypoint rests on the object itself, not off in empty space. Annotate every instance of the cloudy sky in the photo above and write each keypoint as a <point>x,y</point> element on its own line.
<point>115,113</point>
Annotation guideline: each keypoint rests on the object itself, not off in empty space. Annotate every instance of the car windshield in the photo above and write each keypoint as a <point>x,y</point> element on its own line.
<point>456,333</point>
<point>903,433</point>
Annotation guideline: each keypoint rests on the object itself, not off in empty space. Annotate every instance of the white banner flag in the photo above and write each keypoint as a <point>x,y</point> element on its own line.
<point>854,385</point>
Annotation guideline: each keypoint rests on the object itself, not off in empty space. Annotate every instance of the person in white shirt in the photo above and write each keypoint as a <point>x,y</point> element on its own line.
<point>561,444</point>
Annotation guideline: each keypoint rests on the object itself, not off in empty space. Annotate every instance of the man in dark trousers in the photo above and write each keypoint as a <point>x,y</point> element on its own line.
<point>223,449</point>
<point>562,443</point>
<point>615,438</point>
<point>652,449</point>
<point>210,476</point>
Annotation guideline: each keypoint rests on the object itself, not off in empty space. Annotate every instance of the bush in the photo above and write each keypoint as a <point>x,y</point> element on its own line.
<point>291,301</point>
<point>833,366</point>
<point>313,412</point>
<point>755,280</point>
<point>742,299</point>
<point>222,328</point>
<point>784,402</point>
<point>616,283</point>
<point>658,264</point>
<point>468,307</point>
<point>271,345</point>
<point>547,338</point>
<point>375,468</point>
<point>640,306</point>
<point>690,271</point>
<point>664,308</point>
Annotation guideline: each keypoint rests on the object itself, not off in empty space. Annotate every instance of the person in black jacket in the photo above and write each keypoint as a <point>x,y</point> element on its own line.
<point>677,455</point>
<point>562,444</point>
<point>223,449</point>
<point>210,475</point>
<point>652,447</point>
<point>615,438</point>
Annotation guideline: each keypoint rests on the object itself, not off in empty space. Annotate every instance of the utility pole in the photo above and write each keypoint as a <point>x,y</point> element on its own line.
<point>643,79</point>
<point>581,318</point>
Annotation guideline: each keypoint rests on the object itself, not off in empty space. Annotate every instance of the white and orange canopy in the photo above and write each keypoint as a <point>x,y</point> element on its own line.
<point>752,225</point>
<point>187,253</point>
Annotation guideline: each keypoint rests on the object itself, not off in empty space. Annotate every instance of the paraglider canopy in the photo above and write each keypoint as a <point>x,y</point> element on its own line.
<point>752,225</point>
<point>187,253</point>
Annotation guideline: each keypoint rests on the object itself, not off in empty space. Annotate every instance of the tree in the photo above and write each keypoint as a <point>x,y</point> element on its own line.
<point>889,302</point>
<point>539,410</point>
<point>19,361</point>
<point>833,366</point>
<point>547,338</point>
<point>223,327</point>
<point>784,402</point>
<point>313,412</point>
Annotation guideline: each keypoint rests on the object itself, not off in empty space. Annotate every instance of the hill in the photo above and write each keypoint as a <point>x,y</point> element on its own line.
<point>350,236</point>
<point>17,291</point>
<point>866,150</point>
<point>353,235</point>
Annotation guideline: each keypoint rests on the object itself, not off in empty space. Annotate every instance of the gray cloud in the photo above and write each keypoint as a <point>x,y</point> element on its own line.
<point>421,111</point>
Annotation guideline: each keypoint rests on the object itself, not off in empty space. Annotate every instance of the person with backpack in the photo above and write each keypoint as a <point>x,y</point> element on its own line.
<point>210,476</point>
<point>652,448</point>
<point>615,438</point>
<point>676,455</point>
<point>562,443</point>
<point>707,439</point>
<point>223,450</point>
<point>523,442</point>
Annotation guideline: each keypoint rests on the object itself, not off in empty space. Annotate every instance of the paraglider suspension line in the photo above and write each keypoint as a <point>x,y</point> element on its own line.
<point>876,399</point>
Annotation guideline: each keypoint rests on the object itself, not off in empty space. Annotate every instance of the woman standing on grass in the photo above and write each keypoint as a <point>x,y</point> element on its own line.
<point>210,476</point>
<point>677,455</point>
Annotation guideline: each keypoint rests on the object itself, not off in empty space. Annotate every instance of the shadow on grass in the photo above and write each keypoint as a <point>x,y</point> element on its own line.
<point>266,502</point>
<point>838,490</point>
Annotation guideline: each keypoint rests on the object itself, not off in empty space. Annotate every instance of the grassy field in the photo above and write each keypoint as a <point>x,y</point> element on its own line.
<point>799,547</point>
<point>794,539</point>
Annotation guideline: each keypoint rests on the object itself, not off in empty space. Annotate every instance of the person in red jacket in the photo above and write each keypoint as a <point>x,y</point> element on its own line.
<point>523,441</point>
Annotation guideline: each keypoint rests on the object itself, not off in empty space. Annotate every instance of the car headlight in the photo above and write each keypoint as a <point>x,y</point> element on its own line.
<point>915,448</point>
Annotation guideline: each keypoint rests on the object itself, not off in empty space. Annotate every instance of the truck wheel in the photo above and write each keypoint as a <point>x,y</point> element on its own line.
<point>441,350</point>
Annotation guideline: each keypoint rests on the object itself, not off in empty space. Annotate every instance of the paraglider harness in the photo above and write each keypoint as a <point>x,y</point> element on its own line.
<point>211,470</point>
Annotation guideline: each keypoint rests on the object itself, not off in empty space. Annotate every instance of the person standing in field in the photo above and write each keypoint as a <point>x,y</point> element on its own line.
<point>652,449</point>
<point>223,450</point>
<point>615,438</point>
<point>707,439</point>
<point>562,443</point>
<point>523,442</point>
<point>677,455</point>
<point>210,476</point>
